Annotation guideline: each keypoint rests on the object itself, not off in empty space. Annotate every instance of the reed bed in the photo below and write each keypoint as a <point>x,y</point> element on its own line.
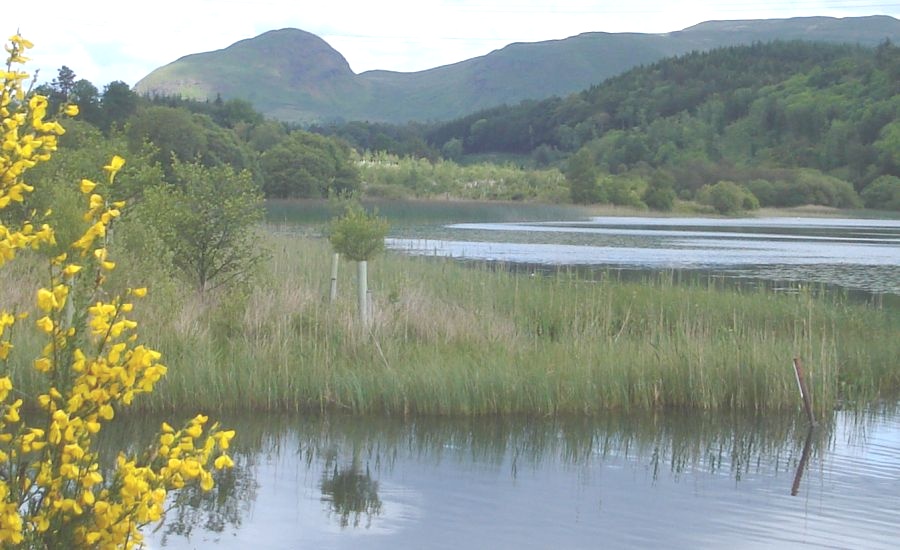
<point>452,339</point>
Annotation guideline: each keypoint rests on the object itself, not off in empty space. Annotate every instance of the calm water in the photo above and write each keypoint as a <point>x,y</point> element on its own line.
<point>670,481</point>
<point>855,254</point>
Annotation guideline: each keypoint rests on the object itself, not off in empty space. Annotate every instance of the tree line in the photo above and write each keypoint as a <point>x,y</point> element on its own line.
<point>284,160</point>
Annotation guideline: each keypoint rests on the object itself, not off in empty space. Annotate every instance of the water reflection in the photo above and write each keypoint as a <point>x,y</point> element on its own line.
<point>804,460</point>
<point>529,483</point>
<point>350,491</point>
<point>209,514</point>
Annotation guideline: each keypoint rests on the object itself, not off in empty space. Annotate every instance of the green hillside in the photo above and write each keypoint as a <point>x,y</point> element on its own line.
<point>295,76</point>
<point>793,122</point>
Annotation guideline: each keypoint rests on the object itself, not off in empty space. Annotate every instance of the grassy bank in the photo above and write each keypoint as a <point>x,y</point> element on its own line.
<point>451,339</point>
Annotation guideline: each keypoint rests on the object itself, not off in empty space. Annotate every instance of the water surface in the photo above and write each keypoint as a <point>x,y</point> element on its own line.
<point>674,481</point>
<point>856,254</point>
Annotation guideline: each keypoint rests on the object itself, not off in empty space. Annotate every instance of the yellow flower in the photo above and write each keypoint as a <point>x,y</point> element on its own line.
<point>12,415</point>
<point>87,186</point>
<point>45,324</point>
<point>222,462</point>
<point>46,300</point>
<point>224,438</point>
<point>43,364</point>
<point>71,110</point>
<point>114,166</point>
<point>21,42</point>
<point>6,386</point>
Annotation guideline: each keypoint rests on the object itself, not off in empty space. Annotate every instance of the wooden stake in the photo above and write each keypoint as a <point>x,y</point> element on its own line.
<point>362,292</point>
<point>334,269</point>
<point>804,392</point>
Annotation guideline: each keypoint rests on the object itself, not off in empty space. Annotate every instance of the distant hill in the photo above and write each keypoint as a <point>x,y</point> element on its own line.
<point>294,75</point>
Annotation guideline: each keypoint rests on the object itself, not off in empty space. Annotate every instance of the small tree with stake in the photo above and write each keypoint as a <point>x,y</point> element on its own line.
<point>359,236</point>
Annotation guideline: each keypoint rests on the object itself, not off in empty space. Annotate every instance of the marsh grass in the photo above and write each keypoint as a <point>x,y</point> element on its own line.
<point>450,339</point>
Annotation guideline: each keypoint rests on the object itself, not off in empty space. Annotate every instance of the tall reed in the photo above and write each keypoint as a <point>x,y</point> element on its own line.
<point>450,339</point>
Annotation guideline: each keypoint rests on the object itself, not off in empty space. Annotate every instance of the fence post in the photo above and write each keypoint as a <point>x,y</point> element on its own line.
<point>334,270</point>
<point>804,392</point>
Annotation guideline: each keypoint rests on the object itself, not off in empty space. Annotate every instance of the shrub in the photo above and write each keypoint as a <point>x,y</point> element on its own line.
<point>357,234</point>
<point>660,194</point>
<point>54,490</point>
<point>883,193</point>
<point>206,220</point>
<point>727,197</point>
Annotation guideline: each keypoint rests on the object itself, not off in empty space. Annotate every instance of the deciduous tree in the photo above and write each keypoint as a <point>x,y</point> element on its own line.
<point>207,218</point>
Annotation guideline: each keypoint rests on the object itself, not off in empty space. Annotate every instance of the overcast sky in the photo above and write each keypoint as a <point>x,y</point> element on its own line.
<point>107,40</point>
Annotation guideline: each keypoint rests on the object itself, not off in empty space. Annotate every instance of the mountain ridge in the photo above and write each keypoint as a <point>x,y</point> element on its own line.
<point>294,75</point>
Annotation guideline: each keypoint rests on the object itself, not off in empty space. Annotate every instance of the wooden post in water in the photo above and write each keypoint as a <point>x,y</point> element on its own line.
<point>804,392</point>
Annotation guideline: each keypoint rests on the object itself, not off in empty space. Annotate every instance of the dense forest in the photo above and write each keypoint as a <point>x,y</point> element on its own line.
<point>792,122</point>
<point>776,124</point>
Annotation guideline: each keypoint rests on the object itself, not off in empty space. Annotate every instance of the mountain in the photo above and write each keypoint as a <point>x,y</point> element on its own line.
<point>294,75</point>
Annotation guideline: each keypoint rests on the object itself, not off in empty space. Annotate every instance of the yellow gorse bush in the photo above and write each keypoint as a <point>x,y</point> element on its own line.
<point>54,492</point>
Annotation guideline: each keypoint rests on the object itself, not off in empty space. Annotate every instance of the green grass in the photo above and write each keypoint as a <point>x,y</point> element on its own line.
<point>450,339</point>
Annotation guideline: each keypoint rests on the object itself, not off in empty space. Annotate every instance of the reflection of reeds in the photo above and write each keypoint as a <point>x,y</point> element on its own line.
<point>450,339</point>
<point>347,446</point>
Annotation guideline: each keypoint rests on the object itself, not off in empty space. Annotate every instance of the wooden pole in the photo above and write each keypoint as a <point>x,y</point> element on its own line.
<point>363,291</point>
<point>334,269</point>
<point>804,392</point>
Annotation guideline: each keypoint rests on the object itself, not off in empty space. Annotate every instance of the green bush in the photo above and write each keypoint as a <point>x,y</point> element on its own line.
<point>883,193</point>
<point>727,197</point>
<point>207,221</point>
<point>660,195</point>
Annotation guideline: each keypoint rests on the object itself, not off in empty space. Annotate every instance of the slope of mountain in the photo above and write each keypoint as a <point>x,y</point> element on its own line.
<point>295,76</point>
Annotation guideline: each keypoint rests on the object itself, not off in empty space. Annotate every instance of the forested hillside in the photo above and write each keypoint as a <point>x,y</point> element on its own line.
<point>793,122</point>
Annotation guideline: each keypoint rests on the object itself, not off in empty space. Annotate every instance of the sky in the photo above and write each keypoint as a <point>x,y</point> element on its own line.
<point>107,40</point>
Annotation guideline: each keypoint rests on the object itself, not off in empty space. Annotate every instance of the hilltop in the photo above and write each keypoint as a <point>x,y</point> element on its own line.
<point>295,76</point>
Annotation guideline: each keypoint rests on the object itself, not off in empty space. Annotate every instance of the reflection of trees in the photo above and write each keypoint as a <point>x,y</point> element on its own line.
<point>214,510</point>
<point>350,492</point>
